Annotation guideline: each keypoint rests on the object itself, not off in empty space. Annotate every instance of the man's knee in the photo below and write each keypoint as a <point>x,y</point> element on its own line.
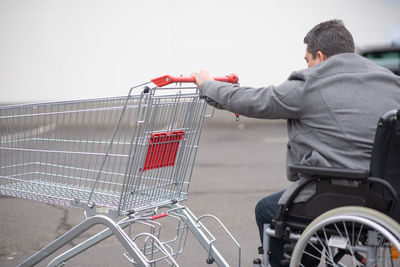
<point>267,208</point>
<point>264,212</point>
<point>258,209</point>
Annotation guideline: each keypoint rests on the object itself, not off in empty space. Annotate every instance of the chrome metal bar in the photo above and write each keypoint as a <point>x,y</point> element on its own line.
<point>200,235</point>
<point>88,243</point>
<point>390,114</point>
<point>131,247</point>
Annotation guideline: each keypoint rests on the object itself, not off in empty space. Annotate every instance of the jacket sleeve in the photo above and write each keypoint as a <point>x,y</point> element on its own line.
<point>273,102</point>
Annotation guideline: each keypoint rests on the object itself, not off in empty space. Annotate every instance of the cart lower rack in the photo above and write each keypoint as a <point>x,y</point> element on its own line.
<point>122,156</point>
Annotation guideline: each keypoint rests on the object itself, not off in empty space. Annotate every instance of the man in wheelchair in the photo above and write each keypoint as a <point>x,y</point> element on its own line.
<point>332,109</point>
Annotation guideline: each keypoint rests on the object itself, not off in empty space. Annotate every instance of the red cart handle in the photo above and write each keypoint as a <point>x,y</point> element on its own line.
<point>167,79</point>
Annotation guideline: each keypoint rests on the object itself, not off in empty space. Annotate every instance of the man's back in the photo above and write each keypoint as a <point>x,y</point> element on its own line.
<point>342,101</point>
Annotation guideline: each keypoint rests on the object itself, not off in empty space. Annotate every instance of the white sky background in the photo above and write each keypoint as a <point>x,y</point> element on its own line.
<point>74,49</point>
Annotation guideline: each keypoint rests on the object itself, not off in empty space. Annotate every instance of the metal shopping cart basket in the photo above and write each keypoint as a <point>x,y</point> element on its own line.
<point>129,157</point>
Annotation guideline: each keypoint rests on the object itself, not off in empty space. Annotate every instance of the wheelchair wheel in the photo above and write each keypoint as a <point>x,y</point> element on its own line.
<point>349,236</point>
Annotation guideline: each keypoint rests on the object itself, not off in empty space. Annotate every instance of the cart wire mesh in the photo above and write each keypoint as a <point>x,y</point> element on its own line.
<point>123,153</point>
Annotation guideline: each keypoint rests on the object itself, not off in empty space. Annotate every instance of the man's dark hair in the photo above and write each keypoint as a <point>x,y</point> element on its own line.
<point>330,37</point>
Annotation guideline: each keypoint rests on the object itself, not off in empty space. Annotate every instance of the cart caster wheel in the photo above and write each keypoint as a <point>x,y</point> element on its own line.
<point>257,262</point>
<point>210,260</point>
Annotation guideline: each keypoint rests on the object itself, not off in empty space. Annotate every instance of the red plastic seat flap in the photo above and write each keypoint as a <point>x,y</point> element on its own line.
<point>162,150</point>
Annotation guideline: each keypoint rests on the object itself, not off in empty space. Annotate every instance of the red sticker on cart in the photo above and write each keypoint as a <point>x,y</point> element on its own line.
<point>162,151</point>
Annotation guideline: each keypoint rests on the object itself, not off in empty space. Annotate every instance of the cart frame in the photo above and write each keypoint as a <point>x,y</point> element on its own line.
<point>122,156</point>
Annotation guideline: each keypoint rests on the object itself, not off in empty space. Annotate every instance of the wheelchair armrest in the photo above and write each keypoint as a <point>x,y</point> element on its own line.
<point>330,172</point>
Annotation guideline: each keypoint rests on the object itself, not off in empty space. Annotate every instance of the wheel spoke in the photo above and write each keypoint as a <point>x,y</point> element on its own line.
<point>327,249</point>
<point>349,245</point>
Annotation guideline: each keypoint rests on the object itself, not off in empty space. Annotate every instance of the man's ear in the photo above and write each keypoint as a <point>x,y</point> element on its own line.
<point>321,56</point>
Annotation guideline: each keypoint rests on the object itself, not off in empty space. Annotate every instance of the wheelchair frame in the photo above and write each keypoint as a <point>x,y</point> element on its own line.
<point>383,233</point>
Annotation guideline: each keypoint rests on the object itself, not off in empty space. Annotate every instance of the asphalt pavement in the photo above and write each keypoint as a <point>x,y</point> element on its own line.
<point>238,163</point>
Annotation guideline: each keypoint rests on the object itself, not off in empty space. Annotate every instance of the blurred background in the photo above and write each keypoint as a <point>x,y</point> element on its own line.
<point>58,49</point>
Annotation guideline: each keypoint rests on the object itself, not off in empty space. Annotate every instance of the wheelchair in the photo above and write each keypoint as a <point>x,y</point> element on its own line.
<point>352,219</point>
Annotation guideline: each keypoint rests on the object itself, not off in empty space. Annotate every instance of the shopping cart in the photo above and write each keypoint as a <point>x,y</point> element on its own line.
<point>129,157</point>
